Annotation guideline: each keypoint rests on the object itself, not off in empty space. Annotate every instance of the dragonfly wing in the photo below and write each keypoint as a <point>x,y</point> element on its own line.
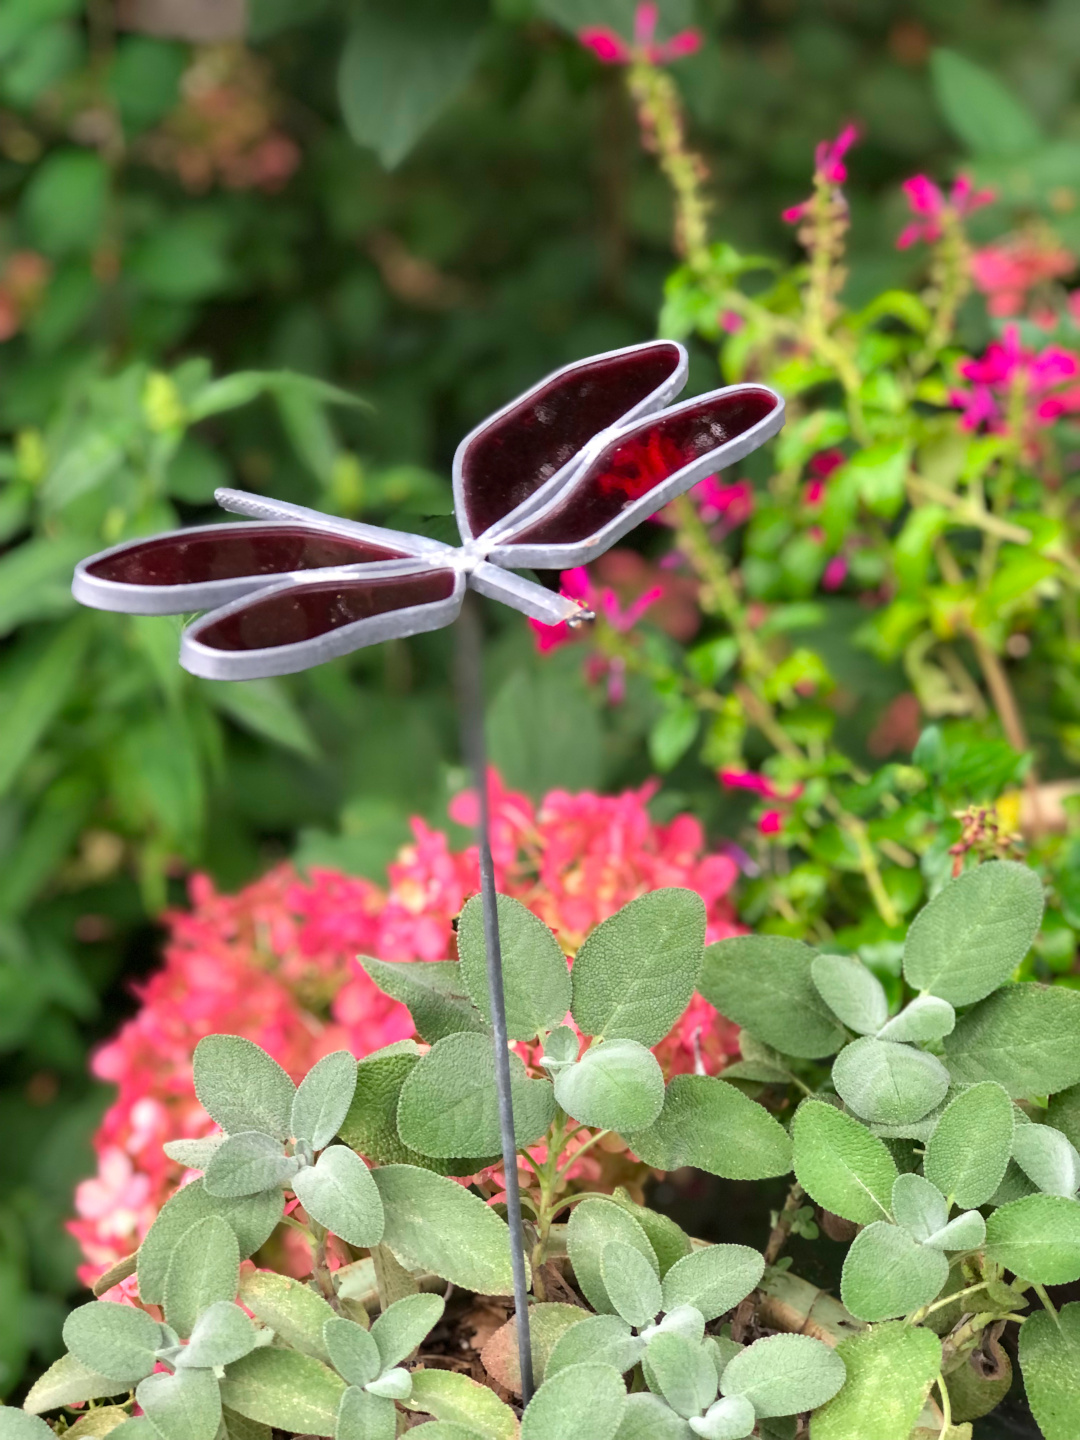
<point>304,622</point>
<point>518,452</point>
<point>210,565</point>
<point>627,477</point>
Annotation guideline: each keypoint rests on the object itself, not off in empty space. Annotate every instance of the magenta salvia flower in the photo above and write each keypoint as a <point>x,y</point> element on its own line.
<point>930,206</point>
<point>1045,374</point>
<point>835,573</point>
<point>733,503</point>
<point>578,585</point>
<point>829,169</point>
<point>610,47</point>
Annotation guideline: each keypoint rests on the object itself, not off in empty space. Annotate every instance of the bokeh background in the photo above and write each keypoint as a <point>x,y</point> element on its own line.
<point>427,204</point>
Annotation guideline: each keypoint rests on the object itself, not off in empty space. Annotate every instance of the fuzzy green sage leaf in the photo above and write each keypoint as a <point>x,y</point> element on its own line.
<point>536,979</point>
<point>887,1273</point>
<point>616,1085</point>
<point>710,1124</point>
<point>890,1369</point>
<point>889,1083</point>
<point>974,933</point>
<point>840,1164</point>
<point>241,1087</point>
<point>765,984</point>
<point>636,972</point>
<point>1050,1361</point>
<point>340,1194</point>
<point>323,1098</point>
<point>434,1224</point>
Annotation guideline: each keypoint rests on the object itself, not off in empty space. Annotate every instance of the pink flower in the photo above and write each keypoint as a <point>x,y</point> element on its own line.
<point>733,503</point>
<point>930,206</point>
<point>829,169</point>
<point>602,600</point>
<point>771,822</point>
<point>1044,374</point>
<point>835,573</point>
<point>757,784</point>
<point>821,466</point>
<point>1007,270</point>
<point>610,47</point>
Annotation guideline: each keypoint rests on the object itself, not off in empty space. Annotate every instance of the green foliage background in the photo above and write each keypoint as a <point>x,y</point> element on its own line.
<point>524,228</point>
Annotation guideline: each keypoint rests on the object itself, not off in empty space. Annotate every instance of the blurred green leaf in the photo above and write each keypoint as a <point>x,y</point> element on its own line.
<point>981,111</point>
<point>63,206</point>
<point>400,69</point>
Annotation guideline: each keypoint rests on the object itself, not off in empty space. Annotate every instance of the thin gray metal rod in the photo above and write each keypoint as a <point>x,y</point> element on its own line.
<point>471,700</point>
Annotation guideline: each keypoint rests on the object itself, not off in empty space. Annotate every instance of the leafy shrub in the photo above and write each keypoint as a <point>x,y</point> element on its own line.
<point>940,1106</point>
<point>277,963</point>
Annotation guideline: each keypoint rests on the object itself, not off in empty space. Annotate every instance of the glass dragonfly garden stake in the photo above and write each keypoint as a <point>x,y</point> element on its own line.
<point>549,482</point>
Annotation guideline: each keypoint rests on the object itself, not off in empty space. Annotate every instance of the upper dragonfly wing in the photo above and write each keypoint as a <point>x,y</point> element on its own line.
<point>503,463</point>
<point>301,623</point>
<point>625,478</point>
<point>212,564</point>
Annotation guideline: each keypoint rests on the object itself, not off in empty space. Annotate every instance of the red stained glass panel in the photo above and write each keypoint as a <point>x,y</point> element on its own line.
<point>512,457</point>
<point>638,463</point>
<point>304,612</point>
<point>199,556</point>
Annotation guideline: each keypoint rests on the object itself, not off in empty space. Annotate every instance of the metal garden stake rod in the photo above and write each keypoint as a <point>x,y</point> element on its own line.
<point>471,700</point>
<point>551,481</point>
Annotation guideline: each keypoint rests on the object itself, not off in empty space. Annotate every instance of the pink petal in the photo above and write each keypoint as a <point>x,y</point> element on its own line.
<point>687,42</point>
<point>575,583</point>
<point>923,195</point>
<point>835,573</point>
<point>911,234</point>
<point>795,213</point>
<point>608,47</point>
<point>645,19</point>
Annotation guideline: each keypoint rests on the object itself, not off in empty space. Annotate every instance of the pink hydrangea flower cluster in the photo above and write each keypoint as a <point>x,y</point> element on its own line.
<point>1009,269</point>
<point>277,963</point>
<point>1044,376</point>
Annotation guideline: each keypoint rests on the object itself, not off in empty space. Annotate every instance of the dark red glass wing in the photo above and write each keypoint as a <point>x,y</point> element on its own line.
<point>508,460</point>
<point>229,552</point>
<point>304,612</point>
<point>639,462</point>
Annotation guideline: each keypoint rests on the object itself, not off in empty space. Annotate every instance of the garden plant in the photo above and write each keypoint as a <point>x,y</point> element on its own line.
<point>812,770</point>
<point>939,1134</point>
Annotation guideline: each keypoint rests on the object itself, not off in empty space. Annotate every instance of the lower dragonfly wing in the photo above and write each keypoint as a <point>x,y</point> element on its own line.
<point>630,474</point>
<point>304,622</point>
<point>210,565</point>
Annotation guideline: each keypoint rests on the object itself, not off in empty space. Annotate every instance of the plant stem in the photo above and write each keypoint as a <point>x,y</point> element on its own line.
<point>579,1152</point>
<point>918,1316</point>
<point>778,1236</point>
<point>1048,1304</point>
<point>946,1406</point>
<point>660,113</point>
